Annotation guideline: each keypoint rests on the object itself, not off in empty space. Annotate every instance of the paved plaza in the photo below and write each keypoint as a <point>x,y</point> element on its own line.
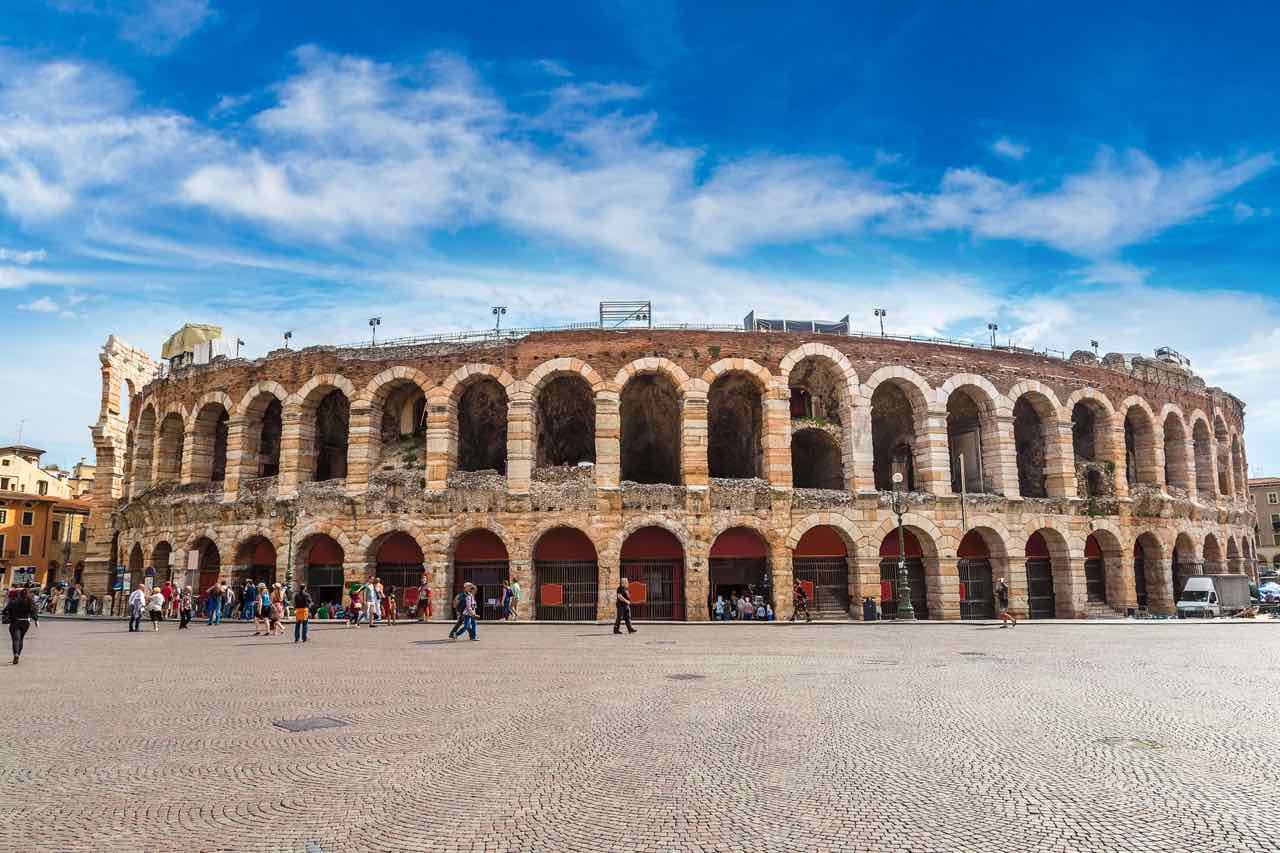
<point>1119,736</point>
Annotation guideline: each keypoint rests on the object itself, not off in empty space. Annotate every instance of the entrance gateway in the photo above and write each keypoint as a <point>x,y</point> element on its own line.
<point>889,575</point>
<point>739,565</point>
<point>1041,602</point>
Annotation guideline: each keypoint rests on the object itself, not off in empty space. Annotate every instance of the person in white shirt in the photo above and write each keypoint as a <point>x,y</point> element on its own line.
<point>137,600</point>
<point>372,603</point>
<point>156,608</point>
<point>515,600</point>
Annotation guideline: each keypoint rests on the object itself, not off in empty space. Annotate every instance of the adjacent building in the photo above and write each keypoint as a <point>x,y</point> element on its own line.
<point>21,471</point>
<point>42,538</point>
<point>1266,500</point>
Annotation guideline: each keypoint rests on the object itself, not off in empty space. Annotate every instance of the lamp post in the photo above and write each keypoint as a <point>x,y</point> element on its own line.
<point>898,504</point>
<point>993,328</point>
<point>881,313</point>
<point>498,311</point>
<point>374,323</point>
<point>291,518</point>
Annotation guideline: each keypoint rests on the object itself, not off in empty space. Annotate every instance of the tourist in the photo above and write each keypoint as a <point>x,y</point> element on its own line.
<point>623,600</point>
<point>371,611</point>
<point>390,606</point>
<point>185,604</point>
<point>228,599</point>
<point>466,612</point>
<point>760,611</point>
<point>354,608</point>
<point>719,608</point>
<point>214,605</point>
<point>20,612</point>
<point>137,601</point>
<point>261,604</point>
<point>768,612</point>
<point>515,600</point>
<point>301,613</point>
<point>275,611</point>
<point>248,601</point>
<point>168,592</point>
<point>1002,605</point>
<point>800,602</point>
<point>505,601</point>
<point>424,600</point>
<point>155,607</point>
<point>73,599</point>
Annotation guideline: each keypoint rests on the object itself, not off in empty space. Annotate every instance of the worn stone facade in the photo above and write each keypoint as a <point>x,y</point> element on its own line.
<point>522,437</point>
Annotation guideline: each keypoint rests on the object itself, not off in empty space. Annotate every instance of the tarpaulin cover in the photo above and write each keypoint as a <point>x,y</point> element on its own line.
<point>186,338</point>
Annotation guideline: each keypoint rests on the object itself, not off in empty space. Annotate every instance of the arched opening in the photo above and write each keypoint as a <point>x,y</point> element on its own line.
<point>1041,594</point>
<point>266,427</point>
<point>143,450</point>
<point>1238,467</point>
<point>1139,447</point>
<point>1090,445</point>
<point>1032,416</point>
<point>162,561</point>
<point>1223,440</point>
<point>820,563</point>
<point>973,564</point>
<point>399,411</point>
<point>816,461</point>
<point>400,565</point>
<point>480,557</point>
<point>255,561</point>
<point>1233,557</point>
<point>914,557</point>
<point>1085,440</point>
<point>650,430</point>
<point>1177,473</point>
<point>1184,564</point>
<point>332,426</point>
<point>1095,571</point>
<point>1203,442</point>
<point>322,557</point>
<point>1213,564</point>
<point>482,426</point>
<point>894,417</point>
<point>208,565</point>
<point>653,564</point>
<point>566,422</point>
<point>971,441</point>
<point>136,567</point>
<point>819,424</point>
<point>739,566</point>
<point>169,448</point>
<point>1141,568</point>
<point>566,576</point>
<point>735,427</point>
<point>209,444</point>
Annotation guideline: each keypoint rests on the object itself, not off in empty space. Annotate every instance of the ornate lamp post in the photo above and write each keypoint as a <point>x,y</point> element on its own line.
<point>291,518</point>
<point>898,504</point>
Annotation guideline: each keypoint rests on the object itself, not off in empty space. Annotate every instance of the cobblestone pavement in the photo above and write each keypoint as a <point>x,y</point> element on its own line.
<point>566,738</point>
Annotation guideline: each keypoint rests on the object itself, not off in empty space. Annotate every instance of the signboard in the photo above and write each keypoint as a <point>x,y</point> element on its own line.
<point>23,575</point>
<point>117,582</point>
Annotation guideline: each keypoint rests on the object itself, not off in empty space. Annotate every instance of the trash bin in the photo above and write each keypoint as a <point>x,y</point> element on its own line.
<point>869,610</point>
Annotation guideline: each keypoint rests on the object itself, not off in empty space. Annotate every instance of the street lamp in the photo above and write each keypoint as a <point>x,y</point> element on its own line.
<point>993,328</point>
<point>498,311</point>
<point>291,518</point>
<point>881,313</point>
<point>898,504</point>
<point>374,323</point>
<point>287,336</point>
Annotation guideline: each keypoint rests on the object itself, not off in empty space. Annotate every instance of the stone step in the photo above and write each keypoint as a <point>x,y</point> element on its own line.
<point>1100,610</point>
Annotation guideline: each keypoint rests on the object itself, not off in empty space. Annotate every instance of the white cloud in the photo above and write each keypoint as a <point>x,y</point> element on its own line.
<point>227,104</point>
<point>43,305</point>
<point>554,68</point>
<point>155,26</point>
<point>1006,147</point>
<point>22,257</point>
<point>1113,272</point>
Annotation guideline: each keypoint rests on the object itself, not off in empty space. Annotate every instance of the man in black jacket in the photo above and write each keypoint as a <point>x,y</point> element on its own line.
<point>624,608</point>
<point>20,611</point>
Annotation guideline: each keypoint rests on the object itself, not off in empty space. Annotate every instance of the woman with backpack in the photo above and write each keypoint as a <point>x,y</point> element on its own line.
<point>20,612</point>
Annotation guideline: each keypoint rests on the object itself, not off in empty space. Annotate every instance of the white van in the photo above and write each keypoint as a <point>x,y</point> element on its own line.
<point>1213,595</point>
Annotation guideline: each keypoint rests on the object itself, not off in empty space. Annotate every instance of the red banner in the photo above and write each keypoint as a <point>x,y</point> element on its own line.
<point>638,592</point>
<point>807,586</point>
<point>886,590</point>
<point>551,594</point>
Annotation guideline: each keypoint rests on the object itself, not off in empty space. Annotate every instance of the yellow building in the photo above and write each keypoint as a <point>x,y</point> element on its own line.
<point>20,471</point>
<point>42,539</point>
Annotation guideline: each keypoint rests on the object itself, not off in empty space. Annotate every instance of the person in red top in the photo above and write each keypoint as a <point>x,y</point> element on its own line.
<point>168,593</point>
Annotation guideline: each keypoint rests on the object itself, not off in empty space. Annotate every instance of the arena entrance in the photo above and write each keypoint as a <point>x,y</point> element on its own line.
<point>820,563</point>
<point>566,576</point>
<point>1041,601</point>
<point>323,558</point>
<point>255,561</point>
<point>1095,571</point>
<point>481,558</point>
<point>889,575</point>
<point>208,566</point>
<point>399,565</point>
<point>162,560</point>
<point>739,565</point>
<point>973,565</point>
<point>1140,574</point>
<point>653,564</point>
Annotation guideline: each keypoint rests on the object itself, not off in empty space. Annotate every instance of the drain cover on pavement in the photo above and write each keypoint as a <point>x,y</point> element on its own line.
<point>685,676</point>
<point>1129,743</point>
<point>310,724</point>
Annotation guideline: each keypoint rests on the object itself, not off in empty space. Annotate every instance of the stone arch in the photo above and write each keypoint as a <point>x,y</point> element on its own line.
<point>650,412</point>
<point>143,448</point>
<point>1178,462</point>
<point>928,578</point>
<point>1092,443</point>
<point>320,528</point>
<point>171,431</point>
<point>822,388</point>
<point>1233,555</point>
<point>250,397</point>
<point>381,385</point>
<point>325,579</point>
<point>1117,582</point>
<point>256,431</point>
<point>565,406</point>
<point>548,370</point>
<point>1202,450</point>
<point>322,408</point>
<point>477,398</point>
<point>1152,581</point>
<point>736,419</point>
<point>973,406</point>
<point>898,401</point>
<point>1214,561</point>
<point>614,546</point>
<point>759,375</point>
<point>393,408</point>
<point>648,365</point>
<point>566,582</point>
<point>367,548</point>
<point>461,528</point>
<point>1037,448</point>
<point>1142,443</point>
<point>1059,558</point>
<point>317,386</point>
<point>848,530</point>
<point>207,446</point>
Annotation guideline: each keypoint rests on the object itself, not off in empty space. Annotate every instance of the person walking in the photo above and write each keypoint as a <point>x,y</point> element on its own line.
<point>515,600</point>
<point>354,609</point>
<point>623,598</point>
<point>506,601</point>
<point>467,614</point>
<point>800,602</point>
<point>390,606</point>
<point>459,610</point>
<point>372,612</point>
<point>214,603</point>
<point>137,602</point>
<point>424,600</point>
<point>185,604</point>
<point>1001,594</point>
<point>155,607</point>
<point>301,613</point>
<point>248,601</point>
<point>275,612</point>
<point>228,600</point>
<point>20,612</point>
<point>261,604</point>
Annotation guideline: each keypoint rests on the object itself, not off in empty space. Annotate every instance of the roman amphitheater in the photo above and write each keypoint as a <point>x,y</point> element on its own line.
<point>689,461</point>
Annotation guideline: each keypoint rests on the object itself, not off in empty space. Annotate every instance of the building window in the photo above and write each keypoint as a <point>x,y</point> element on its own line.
<point>1,544</point>
<point>1273,497</point>
<point>54,530</point>
<point>42,487</point>
<point>84,533</point>
<point>28,518</point>
<point>4,484</point>
<point>4,516</point>
<point>4,462</point>
<point>24,546</point>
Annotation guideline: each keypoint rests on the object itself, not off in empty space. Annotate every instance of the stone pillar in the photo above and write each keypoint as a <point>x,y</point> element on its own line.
<point>241,464</point>
<point>363,444</point>
<point>197,456</point>
<point>1003,429</point>
<point>697,576</point>
<point>608,469</point>
<point>933,465</point>
<point>296,457</point>
<point>942,588</point>
<point>783,579</point>
<point>442,439</point>
<point>1160,595</point>
<point>1188,450</point>
<point>1059,460</point>
<point>1118,458</point>
<point>693,434</point>
<point>864,580</point>
<point>777,435</point>
<point>520,442</point>
<point>522,571</point>
<point>608,571</point>
<point>1122,590</point>
<point>1068,583</point>
<point>864,474</point>
<point>998,459</point>
<point>143,463</point>
<point>1016,577</point>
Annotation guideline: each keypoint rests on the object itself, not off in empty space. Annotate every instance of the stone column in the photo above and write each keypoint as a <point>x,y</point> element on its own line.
<point>197,456</point>
<point>864,475</point>
<point>520,442</point>
<point>864,580</point>
<point>1059,460</point>
<point>783,579</point>
<point>1118,458</point>
<point>608,469</point>
<point>697,576</point>
<point>1003,429</point>
<point>240,464</point>
<point>1188,451</point>
<point>777,435</point>
<point>1160,595</point>
<point>1016,577</point>
<point>522,571</point>
<point>693,434</point>
<point>363,444</point>
<point>442,439</point>
<point>296,456</point>
<point>998,459</point>
<point>942,588</point>
<point>608,572</point>
<point>1068,584</point>
<point>933,471</point>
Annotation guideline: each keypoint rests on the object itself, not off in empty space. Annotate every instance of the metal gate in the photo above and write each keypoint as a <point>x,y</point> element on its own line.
<point>830,579</point>
<point>739,575</point>
<point>1095,579</point>
<point>664,588</point>
<point>976,594</point>
<point>567,590</point>
<point>889,587</point>
<point>257,574</point>
<point>325,584</point>
<point>1040,598</point>
<point>488,576</point>
<point>396,578</point>
<point>1140,582</point>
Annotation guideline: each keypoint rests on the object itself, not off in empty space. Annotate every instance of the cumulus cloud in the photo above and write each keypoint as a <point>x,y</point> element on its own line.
<point>1113,272</point>
<point>1006,147</point>
<point>154,26</point>
<point>43,305</point>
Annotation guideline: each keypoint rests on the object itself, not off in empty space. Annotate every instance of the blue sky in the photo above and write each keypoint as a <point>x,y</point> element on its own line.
<point>1108,172</point>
